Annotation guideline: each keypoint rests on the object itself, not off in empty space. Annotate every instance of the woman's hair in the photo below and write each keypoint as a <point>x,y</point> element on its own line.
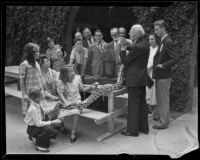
<point>49,40</point>
<point>29,53</point>
<point>64,71</point>
<point>42,58</point>
<point>156,38</point>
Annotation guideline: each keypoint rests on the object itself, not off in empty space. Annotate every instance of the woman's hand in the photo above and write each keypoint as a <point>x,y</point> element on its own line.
<point>55,98</point>
<point>95,85</point>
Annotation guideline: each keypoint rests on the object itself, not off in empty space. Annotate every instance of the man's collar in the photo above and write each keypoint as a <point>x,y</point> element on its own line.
<point>163,37</point>
<point>34,103</point>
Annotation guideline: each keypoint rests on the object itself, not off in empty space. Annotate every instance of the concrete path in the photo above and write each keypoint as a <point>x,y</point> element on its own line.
<point>178,139</point>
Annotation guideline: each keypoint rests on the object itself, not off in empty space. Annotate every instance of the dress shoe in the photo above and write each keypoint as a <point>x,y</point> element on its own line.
<point>145,132</point>
<point>160,127</point>
<point>41,149</point>
<point>125,133</point>
<point>73,138</point>
<point>63,130</point>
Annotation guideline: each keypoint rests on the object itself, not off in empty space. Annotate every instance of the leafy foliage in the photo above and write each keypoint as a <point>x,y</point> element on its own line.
<point>35,23</point>
<point>180,19</point>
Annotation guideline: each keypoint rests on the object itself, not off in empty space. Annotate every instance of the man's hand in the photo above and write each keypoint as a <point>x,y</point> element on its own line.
<point>159,66</point>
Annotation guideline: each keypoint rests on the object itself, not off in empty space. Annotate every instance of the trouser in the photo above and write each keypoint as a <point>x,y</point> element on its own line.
<point>137,119</point>
<point>162,96</point>
<point>42,135</point>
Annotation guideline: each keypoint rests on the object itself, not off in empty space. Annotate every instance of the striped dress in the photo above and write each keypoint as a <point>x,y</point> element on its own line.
<point>32,78</point>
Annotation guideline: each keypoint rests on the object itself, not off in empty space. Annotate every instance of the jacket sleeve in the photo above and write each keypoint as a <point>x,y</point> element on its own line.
<point>127,60</point>
<point>173,56</point>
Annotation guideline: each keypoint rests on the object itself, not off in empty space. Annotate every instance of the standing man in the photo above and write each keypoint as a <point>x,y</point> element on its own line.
<point>97,51</point>
<point>122,32</point>
<point>88,38</point>
<point>135,60</point>
<point>164,60</point>
<point>112,59</point>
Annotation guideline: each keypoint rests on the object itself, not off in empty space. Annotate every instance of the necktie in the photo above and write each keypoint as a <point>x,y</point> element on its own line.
<point>161,47</point>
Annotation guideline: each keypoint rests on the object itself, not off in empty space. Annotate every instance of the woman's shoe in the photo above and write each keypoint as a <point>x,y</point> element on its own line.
<point>72,140</point>
<point>41,149</point>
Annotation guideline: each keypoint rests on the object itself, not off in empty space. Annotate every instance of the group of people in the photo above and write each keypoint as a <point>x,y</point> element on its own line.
<point>46,78</point>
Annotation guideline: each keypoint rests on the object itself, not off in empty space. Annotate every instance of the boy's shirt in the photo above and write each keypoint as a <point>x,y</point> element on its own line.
<point>34,116</point>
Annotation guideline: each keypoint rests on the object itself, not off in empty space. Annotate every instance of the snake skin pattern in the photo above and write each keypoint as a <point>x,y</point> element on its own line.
<point>77,108</point>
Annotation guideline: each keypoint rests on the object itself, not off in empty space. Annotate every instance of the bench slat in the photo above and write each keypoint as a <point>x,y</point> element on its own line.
<point>13,92</point>
<point>92,114</point>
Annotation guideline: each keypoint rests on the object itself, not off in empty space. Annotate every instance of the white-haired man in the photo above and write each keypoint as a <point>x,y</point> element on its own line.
<point>135,63</point>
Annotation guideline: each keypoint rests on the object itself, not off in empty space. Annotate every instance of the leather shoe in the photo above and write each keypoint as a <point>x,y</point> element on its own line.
<point>125,133</point>
<point>159,127</point>
<point>41,149</point>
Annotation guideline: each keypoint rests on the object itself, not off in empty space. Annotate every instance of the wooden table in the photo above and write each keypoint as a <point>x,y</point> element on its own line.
<point>13,72</point>
<point>99,117</point>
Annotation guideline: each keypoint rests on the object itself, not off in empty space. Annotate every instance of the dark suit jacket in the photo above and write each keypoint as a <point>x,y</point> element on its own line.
<point>168,57</point>
<point>136,63</point>
<point>85,43</point>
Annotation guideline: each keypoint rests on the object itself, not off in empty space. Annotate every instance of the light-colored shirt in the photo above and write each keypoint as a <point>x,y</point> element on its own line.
<point>163,37</point>
<point>151,56</point>
<point>34,116</point>
<point>70,90</point>
<point>79,56</point>
<point>161,42</point>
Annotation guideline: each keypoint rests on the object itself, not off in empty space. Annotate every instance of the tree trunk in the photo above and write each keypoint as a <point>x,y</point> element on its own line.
<point>193,57</point>
<point>70,25</point>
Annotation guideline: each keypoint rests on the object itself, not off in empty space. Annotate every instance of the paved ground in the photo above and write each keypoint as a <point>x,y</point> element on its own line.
<point>178,139</point>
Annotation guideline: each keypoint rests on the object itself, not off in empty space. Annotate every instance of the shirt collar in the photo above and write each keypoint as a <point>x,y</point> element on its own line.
<point>34,103</point>
<point>163,37</point>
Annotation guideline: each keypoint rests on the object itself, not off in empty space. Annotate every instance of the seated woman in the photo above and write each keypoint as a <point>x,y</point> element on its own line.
<point>49,78</point>
<point>39,130</point>
<point>69,85</point>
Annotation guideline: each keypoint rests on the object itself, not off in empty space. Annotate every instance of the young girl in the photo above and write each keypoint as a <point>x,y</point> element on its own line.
<point>79,54</point>
<point>68,88</point>
<point>29,73</point>
<point>39,130</point>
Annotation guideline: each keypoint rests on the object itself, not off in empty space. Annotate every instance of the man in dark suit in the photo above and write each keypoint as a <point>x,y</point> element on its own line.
<point>135,59</point>
<point>165,58</point>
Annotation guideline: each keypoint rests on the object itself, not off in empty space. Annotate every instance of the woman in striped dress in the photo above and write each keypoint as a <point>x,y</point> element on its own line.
<point>30,73</point>
<point>55,54</point>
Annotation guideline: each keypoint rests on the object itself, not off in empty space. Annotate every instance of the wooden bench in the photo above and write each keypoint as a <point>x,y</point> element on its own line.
<point>98,117</point>
<point>13,92</point>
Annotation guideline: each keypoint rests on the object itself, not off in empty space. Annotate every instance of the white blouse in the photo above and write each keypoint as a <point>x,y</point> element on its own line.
<point>151,56</point>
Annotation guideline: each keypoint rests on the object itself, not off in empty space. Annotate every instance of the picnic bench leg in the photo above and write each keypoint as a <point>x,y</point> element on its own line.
<point>18,85</point>
<point>111,130</point>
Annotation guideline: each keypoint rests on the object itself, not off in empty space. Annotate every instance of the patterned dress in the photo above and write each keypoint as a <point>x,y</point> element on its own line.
<point>71,93</point>
<point>32,78</point>
<point>55,55</point>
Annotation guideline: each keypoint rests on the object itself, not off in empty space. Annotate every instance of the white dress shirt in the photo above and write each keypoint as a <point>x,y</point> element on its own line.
<point>34,116</point>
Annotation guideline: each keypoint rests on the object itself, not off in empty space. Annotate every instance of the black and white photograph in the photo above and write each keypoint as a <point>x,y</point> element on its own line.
<point>93,79</point>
